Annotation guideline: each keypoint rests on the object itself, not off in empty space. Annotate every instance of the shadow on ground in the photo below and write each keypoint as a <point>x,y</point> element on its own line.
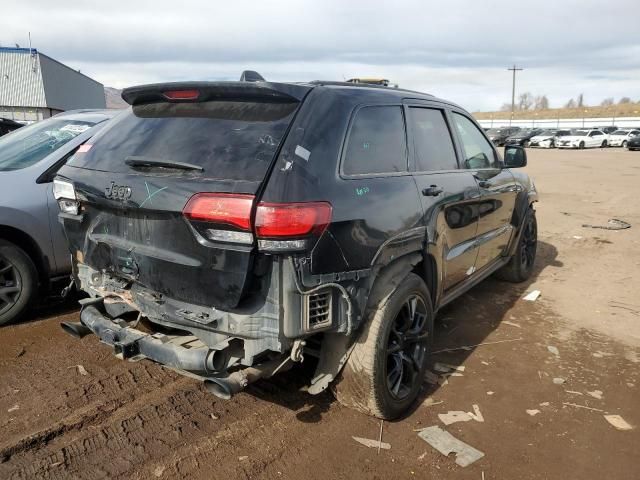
<point>466,322</point>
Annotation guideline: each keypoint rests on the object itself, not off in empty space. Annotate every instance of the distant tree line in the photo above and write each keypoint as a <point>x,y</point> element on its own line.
<point>527,101</point>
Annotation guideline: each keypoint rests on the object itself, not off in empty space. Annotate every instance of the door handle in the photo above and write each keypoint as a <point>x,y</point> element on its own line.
<point>432,191</point>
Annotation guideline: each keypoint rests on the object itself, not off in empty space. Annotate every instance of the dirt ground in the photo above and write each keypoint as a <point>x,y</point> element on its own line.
<point>125,420</point>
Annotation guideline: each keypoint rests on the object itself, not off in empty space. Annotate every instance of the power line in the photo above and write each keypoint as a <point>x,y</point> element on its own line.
<point>514,69</point>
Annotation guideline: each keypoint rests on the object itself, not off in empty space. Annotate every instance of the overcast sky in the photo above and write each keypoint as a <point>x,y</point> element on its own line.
<point>455,49</point>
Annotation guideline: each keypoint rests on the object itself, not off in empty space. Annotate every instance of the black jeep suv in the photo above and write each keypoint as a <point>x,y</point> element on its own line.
<point>230,229</point>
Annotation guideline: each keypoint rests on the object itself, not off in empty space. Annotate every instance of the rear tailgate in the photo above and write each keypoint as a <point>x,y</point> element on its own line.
<point>141,171</point>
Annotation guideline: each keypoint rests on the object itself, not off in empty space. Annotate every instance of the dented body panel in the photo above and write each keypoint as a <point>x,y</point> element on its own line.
<point>252,303</point>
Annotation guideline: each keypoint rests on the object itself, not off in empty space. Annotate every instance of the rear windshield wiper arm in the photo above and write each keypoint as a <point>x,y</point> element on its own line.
<point>154,162</point>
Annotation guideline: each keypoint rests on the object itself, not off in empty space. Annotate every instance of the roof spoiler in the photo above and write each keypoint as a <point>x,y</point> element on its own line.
<point>211,91</point>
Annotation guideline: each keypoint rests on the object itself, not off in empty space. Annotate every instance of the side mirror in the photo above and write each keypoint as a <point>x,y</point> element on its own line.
<point>515,157</point>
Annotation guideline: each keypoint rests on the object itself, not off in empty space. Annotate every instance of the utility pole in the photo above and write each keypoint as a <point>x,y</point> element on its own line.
<point>514,69</point>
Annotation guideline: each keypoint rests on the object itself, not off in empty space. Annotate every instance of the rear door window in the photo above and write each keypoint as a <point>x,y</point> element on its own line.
<point>478,152</point>
<point>229,139</point>
<point>28,145</point>
<point>377,142</point>
<point>431,140</point>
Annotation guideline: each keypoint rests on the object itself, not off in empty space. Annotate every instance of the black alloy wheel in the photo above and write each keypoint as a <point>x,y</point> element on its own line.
<point>407,347</point>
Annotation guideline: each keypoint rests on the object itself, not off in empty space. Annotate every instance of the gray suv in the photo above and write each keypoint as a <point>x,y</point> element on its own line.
<point>33,251</point>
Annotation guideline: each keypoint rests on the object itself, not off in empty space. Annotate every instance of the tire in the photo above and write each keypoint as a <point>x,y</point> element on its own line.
<point>385,371</point>
<point>581,146</point>
<point>624,144</point>
<point>520,266</point>
<point>525,144</point>
<point>604,144</point>
<point>552,144</point>
<point>18,282</point>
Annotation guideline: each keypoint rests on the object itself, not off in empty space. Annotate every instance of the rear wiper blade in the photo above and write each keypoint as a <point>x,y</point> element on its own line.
<point>155,162</point>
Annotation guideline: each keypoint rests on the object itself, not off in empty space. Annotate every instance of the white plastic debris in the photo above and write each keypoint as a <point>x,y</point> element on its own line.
<point>82,371</point>
<point>596,394</point>
<point>490,392</point>
<point>446,368</point>
<point>553,350</point>
<point>533,412</point>
<point>476,415</point>
<point>367,442</point>
<point>507,322</point>
<point>454,416</point>
<point>14,408</point>
<point>544,404</point>
<point>446,443</point>
<point>618,422</point>
<point>559,381</point>
<point>302,152</point>
<point>532,296</point>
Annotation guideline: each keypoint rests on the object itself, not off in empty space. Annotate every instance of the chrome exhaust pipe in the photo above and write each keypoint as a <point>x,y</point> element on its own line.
<point>75,329</point>
<point>227,387</point>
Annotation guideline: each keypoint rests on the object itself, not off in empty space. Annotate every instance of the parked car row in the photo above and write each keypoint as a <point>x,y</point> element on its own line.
<point>599,137</point>
<point>33,250</point>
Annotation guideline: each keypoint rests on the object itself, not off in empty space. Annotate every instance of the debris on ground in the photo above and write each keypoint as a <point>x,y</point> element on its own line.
<point>544,404</point>
<point>159,470</point>
<point>490,392</point>
<point>14,408</point>
<point>507,322</point>
<point>454,416</point>
<point>596,394</point>
<point>82,371</point>
<point>21,352</point>
<point>578,237</point>
<point>618,422</point>
<point>435,379</point>
<point>476,415</point>
<point>573,392</point>
<point>533,412</point>
<point>367,442</point>
<point>612,224</point>
<point>446,368</point>
<point>430,402</point>
<point>553,350</point>
<point>532,296</point>
<point>559,380</point>
<point>242,458</point>
<point>582,406</point>
<point>213,416</point>
<point>445,443</point>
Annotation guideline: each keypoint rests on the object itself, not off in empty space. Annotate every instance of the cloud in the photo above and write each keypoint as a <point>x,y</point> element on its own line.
<point>458,49</point>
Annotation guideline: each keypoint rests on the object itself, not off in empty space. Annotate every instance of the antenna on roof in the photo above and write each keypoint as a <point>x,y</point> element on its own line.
<point>251,76</point>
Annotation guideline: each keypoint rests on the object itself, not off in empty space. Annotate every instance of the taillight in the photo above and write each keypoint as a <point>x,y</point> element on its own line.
<point>220,208</point>
<point>278,220</point>
<point>182,94</point>
<point>226,217</point>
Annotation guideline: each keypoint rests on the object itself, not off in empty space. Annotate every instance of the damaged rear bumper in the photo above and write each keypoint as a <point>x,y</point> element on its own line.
<point>182,353</point>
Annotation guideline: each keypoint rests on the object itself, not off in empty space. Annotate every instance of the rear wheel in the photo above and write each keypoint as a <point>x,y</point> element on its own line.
<point>624,144</point>
<point>581,145</point>
<point>604,144</point>
<point>18,282</point>
<point>520,266</point>
<point>386,368</point>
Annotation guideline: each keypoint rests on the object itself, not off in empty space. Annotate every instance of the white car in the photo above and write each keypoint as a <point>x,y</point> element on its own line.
<point>619,138</point>
<point>587,138</point>
<point>548,138</point>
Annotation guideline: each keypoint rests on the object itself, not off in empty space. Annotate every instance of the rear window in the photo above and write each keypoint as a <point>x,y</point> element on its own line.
<point>377,142</point>
<point>28,145</point>
<point>229,139</point>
